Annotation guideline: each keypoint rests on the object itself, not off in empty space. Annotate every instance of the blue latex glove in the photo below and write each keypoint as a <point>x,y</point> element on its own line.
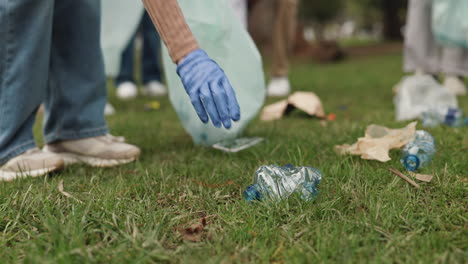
<point>209,89</point>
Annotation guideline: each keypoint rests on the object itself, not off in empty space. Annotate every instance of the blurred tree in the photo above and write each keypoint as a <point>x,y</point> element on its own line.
<point>392,18</point>
<point>388,13</point>
<point>318,13</point>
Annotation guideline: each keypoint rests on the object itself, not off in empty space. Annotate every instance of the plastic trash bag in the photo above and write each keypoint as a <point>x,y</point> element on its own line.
<point>120,19</point>
<point>240,9</point>
<point>419,93</point>
<point>223,37</point>
<point>450,22</point>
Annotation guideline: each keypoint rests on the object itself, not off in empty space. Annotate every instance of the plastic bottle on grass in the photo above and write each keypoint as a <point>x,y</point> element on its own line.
<point>276,183</point>
<point>419,152</point>
<point>443,115</point>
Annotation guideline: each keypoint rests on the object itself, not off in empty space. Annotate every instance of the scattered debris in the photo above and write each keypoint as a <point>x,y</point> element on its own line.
<point>238,144</point>
<point>196,231</point>
<point>418,93</point>
<point>152,106</point>
<point>331,117</point>
<point>64,193</point>
<point>404,177</point>
<point>422,177</point>
<point>306,101</point>
<point>378,141</point>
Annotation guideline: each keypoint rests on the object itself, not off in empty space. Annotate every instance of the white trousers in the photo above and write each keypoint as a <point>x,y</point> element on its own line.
<point>422,52</point>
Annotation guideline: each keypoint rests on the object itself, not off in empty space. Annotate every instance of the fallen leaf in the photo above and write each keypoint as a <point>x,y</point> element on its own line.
<point>378,141</point>
<point>306,101</point>
<point>194,233</point>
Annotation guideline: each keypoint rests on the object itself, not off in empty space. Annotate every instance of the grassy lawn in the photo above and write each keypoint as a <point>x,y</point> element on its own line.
<point>362,214</point>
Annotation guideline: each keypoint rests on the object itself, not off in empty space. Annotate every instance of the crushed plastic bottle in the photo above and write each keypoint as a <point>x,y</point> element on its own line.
<point>276,183</point>
<point>418,153</point>
<point>443,115</point>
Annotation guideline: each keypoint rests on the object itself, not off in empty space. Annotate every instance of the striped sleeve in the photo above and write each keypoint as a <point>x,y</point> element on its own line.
<point>172,27</point>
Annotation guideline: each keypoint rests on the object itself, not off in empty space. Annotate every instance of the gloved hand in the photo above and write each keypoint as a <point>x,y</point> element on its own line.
<point>209,89</point>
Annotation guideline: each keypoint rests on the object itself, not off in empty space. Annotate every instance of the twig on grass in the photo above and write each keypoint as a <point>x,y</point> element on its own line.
<point>64,193</point>
<point>404,177</point>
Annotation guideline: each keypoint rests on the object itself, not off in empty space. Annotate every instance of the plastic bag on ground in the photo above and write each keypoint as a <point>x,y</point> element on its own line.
<point>223,37</point>
<point>120,19</point>
<point>418,93</point>
<point>450,22</point>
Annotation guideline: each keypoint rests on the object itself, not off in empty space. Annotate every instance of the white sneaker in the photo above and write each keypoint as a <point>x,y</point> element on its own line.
<point>455,85</point>
<point>279,86</point>
<point>32,163</point>
<point>154,88</point>
<point>127,91</point>
<point>102,151</point>
<point>109,110</point>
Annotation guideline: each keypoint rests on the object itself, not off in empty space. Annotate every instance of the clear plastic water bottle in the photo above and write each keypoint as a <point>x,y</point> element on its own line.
<point>418,153</point>
<point>275,183</point>
<point>443,115</point>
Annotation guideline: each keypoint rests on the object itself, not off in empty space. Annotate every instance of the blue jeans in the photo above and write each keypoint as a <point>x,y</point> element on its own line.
<point>151,56</point>
<point>50,53</point>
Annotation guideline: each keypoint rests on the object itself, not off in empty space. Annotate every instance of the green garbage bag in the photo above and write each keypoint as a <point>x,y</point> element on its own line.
<point>223,37</point>
<point>450,22</point>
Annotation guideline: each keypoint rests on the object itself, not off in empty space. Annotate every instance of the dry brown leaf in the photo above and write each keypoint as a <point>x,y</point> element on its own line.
<point>306,101</point>
<point>195,232</point>
<point>378,141</point>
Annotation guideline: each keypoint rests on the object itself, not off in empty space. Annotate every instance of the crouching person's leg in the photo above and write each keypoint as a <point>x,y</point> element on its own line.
<point>74,124</point>
<point>25,37</point>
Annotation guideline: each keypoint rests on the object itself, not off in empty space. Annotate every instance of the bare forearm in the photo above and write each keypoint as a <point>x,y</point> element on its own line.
<point>172,27</point>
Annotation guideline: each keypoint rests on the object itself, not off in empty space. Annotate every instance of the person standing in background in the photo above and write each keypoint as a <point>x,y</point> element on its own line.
<point>284,32</point>
<point>151,70</point>
<point>423,55</point>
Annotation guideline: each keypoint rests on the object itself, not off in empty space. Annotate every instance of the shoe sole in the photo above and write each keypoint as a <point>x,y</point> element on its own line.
<point>10,176</point>
<point>72,158</point>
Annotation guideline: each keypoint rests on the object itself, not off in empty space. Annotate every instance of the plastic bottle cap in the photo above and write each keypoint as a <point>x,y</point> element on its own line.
<point>412,162</point>
<point>252,194</point>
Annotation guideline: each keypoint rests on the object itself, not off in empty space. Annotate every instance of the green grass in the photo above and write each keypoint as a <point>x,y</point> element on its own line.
<point>362,214</point>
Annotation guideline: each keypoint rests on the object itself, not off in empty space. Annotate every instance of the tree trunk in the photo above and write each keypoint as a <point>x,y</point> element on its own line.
<point>391,20</point>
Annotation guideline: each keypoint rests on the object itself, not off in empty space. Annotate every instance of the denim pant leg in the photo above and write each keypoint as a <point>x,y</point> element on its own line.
<point>151,57</point>
<point>76,95</point>
<point>127,62</point>
<point>25,37</point>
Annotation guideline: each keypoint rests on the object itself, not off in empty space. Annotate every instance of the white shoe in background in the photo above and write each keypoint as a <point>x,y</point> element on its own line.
<point>279,86</point>
<point>455,85</point>
<point>154,88</point>
<point>109,110</point>
<point>127,91</point>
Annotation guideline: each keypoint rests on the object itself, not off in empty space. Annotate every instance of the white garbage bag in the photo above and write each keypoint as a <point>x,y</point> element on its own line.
<point>120,19</point>
<point>419,93</point>
<point>450,22</point>
<point>220,34</point>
